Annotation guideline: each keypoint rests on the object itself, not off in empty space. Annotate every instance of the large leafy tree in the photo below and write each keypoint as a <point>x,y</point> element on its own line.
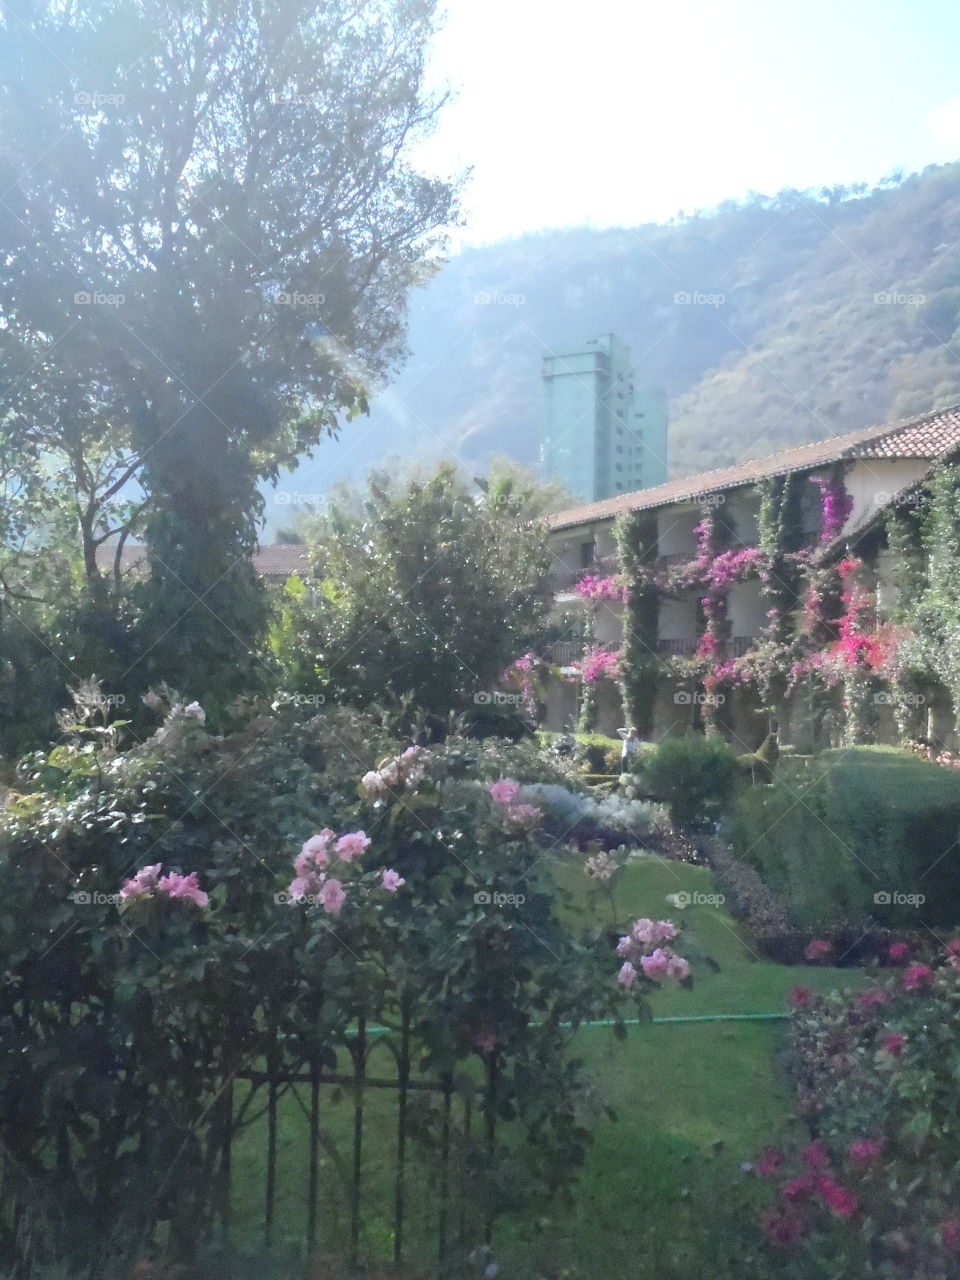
<point>425,590</point>
<point>208,226</point>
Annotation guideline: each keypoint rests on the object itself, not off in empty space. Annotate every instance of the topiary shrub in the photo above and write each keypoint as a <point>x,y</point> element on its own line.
<point>862,833</point>
<point>694,775</point>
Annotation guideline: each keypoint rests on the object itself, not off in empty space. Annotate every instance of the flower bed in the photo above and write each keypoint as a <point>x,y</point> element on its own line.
<point>876,1192</point>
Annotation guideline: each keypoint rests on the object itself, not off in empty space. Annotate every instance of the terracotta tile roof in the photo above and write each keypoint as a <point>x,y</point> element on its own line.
<point>278,560</point>
<point>930,435</point>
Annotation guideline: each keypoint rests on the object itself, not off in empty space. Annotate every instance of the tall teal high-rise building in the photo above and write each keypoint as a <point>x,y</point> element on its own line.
<point>604,434</point>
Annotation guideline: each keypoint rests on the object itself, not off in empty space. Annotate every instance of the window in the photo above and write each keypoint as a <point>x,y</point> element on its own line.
<point>588,552</point>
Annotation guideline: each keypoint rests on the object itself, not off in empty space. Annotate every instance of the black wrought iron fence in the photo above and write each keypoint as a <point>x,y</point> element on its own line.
<point>385,1164</point>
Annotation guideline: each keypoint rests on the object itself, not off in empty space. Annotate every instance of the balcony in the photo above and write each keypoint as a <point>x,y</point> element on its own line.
<point>562,581</point>
<point>682,648</point>
<point>687,646</point>
<point>564,653</point>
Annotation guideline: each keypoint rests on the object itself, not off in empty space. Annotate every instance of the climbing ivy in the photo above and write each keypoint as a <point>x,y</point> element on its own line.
<point>640,668</point>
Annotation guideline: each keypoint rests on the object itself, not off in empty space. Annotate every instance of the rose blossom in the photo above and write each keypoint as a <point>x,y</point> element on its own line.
<point>332,896</point>
<point>506,791</point>
<point>839,1199</point>
<point>916,976</point>
<point>893,1044</point>
<point>627,975</point>
<point>897,951</point>
<point>392,881</point>
<point>179,886</point>
<point>143,882</point>
<point>352,845</point>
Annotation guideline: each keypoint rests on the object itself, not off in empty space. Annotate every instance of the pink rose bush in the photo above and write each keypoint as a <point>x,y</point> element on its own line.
<point>149,883</point>
<point>875,1075</point>
<point>313,883</point>
<point>517,817</point>
<point>643,952</point>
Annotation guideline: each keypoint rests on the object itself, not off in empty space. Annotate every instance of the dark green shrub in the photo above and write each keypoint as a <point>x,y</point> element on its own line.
<point>694,775</point>
<point>861,832</point>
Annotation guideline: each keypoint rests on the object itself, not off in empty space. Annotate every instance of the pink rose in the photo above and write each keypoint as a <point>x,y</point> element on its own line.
<point>917,975</point>
<point>898,951</point>
<point>303,886</point>
<point>143,882</point>
<point>392,881</point>
<point>627,975</point>
<point>839,1199</point>
<point>188,887</point>
<point>655,966</point>
<point>332,896</point>
<point>893,1044</point>
<point>352,845</point>
<point>506,791</point>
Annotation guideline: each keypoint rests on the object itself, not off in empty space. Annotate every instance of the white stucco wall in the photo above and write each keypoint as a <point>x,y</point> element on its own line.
<point>872,483</point>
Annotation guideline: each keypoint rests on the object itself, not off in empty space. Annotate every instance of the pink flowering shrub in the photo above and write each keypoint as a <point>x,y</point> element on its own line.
<point>594,588</point>
<point>875,1076</point>
<point>421,901</point>
<point>599,664</point>
<point>836,505</point>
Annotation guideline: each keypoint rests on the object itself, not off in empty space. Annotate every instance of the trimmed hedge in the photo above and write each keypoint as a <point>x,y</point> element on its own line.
<point>858,834</point>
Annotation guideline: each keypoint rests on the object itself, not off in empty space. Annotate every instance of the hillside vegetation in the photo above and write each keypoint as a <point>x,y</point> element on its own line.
<point>817,313</point>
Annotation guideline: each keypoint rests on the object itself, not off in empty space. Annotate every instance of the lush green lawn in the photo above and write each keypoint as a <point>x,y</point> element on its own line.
<point>663,1193</point>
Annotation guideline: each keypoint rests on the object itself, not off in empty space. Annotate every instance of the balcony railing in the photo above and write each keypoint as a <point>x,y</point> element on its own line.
<point>687,646</point>
<point>564,580</point>
<point>680,648</point>
<point>563,653</point>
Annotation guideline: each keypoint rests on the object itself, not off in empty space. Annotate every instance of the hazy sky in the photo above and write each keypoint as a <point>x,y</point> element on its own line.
<point>624,111</point>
